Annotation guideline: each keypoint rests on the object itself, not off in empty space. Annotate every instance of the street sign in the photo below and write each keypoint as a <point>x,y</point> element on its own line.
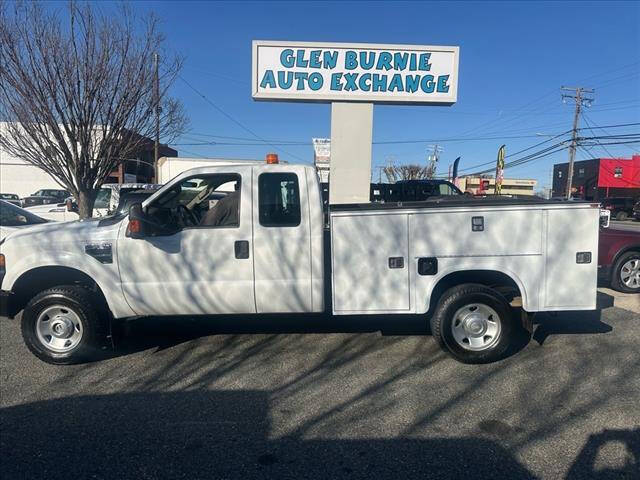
<point>358,72</point>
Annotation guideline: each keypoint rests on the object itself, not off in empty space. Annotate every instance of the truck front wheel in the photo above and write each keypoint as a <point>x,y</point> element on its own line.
<point>61,325</point>
<point>474,323</point>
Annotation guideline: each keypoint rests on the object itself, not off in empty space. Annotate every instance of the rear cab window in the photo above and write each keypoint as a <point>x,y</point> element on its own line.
<point>279,199</point>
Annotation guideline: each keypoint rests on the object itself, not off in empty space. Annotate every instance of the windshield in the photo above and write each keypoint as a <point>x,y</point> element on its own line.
<point>131,198</point>
<point>102,200</point>
<point>8,196</point>
<point>12,216</point>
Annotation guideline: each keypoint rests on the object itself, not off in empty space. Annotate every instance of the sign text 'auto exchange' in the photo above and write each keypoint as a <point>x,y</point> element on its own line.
<point>357,72</point>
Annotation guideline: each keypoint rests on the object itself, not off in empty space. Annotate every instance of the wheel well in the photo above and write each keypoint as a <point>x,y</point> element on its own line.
<point>34,281</point>
<point>623,251</point>
<point>490,278</point>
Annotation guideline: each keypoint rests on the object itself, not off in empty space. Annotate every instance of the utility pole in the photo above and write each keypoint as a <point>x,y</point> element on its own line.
<point>156,109</point>
<point>433,158</point>
<point>579,95</point>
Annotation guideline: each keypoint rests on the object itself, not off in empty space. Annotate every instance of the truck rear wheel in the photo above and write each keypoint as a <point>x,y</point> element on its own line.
<point>474,323</point>
<point>626,273</point>
<point>62,325</point>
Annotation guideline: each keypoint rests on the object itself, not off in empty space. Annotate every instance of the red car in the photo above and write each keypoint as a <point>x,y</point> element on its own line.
<point>619,259</point>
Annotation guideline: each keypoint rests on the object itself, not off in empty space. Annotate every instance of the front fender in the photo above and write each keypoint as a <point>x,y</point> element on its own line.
<point>106,276</point>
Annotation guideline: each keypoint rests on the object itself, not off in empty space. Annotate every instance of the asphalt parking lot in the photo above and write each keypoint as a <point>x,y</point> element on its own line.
<point>299,397</point>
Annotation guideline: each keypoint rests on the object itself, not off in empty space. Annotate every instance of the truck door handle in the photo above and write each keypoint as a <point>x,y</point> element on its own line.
<point>241,248</point>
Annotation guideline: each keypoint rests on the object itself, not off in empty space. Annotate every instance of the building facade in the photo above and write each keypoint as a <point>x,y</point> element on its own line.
<point>23,179</point>
<point>510,186</point>
<point>599,178</point>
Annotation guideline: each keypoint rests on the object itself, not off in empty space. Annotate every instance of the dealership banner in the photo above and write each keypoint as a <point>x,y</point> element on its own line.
<point>327,72</point>
<point>500,170</point>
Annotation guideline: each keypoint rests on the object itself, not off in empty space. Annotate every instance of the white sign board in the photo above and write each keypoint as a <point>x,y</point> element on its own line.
<point>322,150</point>
<point>343,72</point>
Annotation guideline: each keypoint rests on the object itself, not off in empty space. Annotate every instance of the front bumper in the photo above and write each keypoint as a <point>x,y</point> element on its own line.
<point>7,304</point>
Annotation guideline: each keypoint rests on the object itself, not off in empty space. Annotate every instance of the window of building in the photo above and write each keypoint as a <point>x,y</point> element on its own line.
<point>559,173</point>
<point>617,172</point>
<point>581,172</point>
<point>279,200</point>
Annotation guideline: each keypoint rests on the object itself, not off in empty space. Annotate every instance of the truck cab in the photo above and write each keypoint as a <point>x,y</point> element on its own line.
<point>245,239</point>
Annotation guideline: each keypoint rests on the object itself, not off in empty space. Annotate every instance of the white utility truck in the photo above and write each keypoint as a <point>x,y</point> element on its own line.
<point>253,239</point>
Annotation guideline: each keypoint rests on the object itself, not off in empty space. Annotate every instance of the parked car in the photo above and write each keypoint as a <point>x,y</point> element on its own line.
<point>11,198</point>
<point>412,190</point>
<point>106,202</point>
<point>621,208</point>
<point>619,259</point>
<point>13,218</point>
<point>636,210</point>
<point>45,197</point>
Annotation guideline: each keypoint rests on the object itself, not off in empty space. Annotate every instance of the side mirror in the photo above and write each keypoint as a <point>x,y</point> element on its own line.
<point>136,227</point>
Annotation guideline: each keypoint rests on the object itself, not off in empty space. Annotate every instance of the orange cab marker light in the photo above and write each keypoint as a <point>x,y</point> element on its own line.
<point>134,226</point>
<point>272,158</point>
<point>2,261</point>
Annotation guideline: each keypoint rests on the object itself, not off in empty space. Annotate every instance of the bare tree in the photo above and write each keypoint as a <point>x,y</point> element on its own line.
<point>77,94</point>
<point>407,172</point>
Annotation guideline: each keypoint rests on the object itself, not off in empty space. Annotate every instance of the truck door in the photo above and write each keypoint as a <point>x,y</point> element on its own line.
<point>206,266</point>
<point>281,240</point>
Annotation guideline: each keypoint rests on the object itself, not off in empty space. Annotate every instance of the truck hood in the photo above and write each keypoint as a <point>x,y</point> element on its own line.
<point>52,234</point>
<point>37,209</point>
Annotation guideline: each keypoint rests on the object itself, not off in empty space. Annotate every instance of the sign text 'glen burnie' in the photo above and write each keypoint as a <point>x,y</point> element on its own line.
<point>344,80</point>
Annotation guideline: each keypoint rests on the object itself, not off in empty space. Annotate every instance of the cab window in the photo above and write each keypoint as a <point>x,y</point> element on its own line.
<point>206,201</point>
<point>446,189</point>
<point>279,200</point>
<point>102,199</point>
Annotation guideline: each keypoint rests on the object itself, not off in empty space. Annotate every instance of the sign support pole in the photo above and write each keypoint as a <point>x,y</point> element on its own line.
<point>351,137</point>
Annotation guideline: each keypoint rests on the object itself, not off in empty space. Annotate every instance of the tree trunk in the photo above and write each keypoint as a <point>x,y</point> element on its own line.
<point>86,200</point>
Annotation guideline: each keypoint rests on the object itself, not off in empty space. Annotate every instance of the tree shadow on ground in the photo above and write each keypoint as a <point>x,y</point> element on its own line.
<point>165,332</point>
<point>216,434</point>
<point>569,323</point>
<point>226,434</point>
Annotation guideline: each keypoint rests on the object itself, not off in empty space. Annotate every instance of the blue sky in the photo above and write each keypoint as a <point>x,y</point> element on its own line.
<point>514,56</point>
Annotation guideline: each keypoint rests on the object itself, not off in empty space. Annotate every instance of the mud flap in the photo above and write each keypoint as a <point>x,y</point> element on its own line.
<point>526,318</point>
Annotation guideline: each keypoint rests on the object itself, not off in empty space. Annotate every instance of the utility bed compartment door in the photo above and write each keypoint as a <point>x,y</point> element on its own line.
<point>568,284</point>
<point>370,262</point>
<point>504,232</point>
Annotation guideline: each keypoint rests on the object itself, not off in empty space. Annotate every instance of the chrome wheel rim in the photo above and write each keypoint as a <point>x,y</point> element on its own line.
<point>476,327</point>
<point>630,273</point>
<point>59,328</point>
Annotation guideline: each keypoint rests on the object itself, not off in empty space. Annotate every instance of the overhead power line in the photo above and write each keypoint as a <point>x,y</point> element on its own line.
<point>588,120</point>
<point>491,136</point>
<point>245,128</point>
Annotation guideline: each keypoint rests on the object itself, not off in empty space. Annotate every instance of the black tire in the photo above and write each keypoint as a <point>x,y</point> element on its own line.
<point>621,216</point>
<point>81,302</point>
<point>455,299</point>
<point>616,275</point>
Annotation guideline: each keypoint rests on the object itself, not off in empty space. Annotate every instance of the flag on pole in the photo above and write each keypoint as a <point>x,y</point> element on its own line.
<point>499,170</point>
<point>455,168</point>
